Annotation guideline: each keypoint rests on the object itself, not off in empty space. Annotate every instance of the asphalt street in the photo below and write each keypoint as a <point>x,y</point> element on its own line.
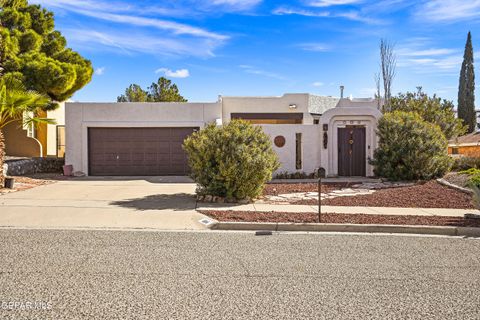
<point>55,274</point>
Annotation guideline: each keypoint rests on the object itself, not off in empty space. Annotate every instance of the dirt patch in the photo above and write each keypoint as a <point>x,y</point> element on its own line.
<point>284,188</point>
<point>427,195</point>
<point>248,216</point>
<point>32,181</point>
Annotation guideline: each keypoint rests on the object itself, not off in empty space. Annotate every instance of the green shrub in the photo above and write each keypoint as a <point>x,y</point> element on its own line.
<point>465,163</point>
<point>295,175</point>
<point>474,179</point>
<point>470,172</point>
<point>233,161</point>
<point>410,148</point>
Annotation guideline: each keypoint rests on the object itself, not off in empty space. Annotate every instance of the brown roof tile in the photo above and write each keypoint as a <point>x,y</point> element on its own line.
<point>469,138</point>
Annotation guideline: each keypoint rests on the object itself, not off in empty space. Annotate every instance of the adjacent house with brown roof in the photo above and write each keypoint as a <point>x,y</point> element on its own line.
<point>467,145</point>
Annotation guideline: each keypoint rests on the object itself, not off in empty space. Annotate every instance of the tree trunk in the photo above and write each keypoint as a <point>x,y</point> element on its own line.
<point>2,156</point>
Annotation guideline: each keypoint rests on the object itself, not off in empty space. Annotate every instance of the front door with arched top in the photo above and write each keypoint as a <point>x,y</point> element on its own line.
<point>352,151</point>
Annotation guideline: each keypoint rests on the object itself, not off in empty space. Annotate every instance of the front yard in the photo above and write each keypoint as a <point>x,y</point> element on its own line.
<point>289,217</point>
<point>423,195</point>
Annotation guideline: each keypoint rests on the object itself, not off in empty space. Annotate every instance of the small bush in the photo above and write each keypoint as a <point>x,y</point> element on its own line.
<point>465,163</point>
<point>410,148</point>
<point>233,161</point>
<point>295,175</point>
<point>474,179</point>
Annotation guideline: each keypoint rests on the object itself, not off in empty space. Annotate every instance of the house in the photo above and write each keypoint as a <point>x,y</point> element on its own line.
<point>467,145</point>
<point>44,140</point>
<point>308,132</point>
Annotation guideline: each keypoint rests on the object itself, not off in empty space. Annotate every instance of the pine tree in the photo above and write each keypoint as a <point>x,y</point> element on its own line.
<point>466,89</point>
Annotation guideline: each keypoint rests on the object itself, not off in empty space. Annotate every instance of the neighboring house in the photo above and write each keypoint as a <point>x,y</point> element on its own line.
<point>44,140</point>
<point>467,145</point>
<point>308,132</point>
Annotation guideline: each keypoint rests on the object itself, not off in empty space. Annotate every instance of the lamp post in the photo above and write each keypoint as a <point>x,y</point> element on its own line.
<point>319,197</point>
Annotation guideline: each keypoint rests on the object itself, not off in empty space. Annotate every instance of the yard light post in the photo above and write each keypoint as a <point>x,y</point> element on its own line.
<point>319,197</point>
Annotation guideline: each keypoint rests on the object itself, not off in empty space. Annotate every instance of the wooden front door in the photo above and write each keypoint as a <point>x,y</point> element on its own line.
<point>351,152</point>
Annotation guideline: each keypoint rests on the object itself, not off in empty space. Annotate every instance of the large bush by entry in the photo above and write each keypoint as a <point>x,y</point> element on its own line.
<point>410,148</point>
<point>232,161</point>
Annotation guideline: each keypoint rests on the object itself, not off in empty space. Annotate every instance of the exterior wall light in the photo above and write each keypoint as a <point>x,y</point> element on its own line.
<point>293,106</point>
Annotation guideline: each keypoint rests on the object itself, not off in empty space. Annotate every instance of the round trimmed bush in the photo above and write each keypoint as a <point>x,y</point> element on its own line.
<point>410,148</point>
<point>232,161</point>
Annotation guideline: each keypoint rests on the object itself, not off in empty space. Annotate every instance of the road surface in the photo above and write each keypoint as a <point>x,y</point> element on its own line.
<point>60,274</point>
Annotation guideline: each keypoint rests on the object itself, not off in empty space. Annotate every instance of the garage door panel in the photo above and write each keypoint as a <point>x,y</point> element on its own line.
<point>137,151</point>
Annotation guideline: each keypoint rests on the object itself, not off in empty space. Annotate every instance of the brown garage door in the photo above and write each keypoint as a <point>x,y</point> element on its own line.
<point>137,151</point>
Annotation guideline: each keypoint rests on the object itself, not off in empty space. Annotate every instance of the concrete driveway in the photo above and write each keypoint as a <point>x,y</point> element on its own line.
<point>166,203</point>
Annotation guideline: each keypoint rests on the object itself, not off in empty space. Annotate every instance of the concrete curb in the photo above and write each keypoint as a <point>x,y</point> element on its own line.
<point>453,186</point>
<point>331,227</point>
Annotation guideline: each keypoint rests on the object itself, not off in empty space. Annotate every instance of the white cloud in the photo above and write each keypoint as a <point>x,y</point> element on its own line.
<point>350,15</point>
<point>181,73</point>
<point>116,42</point>
<point>139,33</point>
<point>328,3</point>
<point>100,71</point>
<point>449,10</point>
<point>425,52</point>
<point>260,72</point>
<point>317,47</point>
<point>318,84</point>
<point>422,56</point>
<point>301,12</point>
<point>236,5</point>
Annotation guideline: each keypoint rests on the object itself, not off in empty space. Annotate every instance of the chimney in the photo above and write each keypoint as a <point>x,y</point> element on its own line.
<point>341,91</point>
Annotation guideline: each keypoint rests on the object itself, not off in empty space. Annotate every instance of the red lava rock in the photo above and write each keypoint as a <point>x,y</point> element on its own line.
<point>427,195</point>
<point>249,216</point>
<point>283,188</point>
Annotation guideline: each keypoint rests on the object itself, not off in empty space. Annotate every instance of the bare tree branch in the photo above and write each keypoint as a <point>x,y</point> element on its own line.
<point>378,93</point>
<point>388,63</point>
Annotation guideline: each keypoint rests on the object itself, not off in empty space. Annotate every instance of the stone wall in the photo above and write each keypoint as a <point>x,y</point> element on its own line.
<point>21,167</point>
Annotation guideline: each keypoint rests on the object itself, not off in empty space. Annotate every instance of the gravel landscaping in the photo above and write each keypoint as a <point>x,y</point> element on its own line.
<point>284,188</point>
<point>426,195</point>
<point>249,216</point>
<point>32,181</point>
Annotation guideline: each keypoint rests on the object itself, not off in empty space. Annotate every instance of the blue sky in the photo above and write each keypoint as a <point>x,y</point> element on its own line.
<point>267,47</point>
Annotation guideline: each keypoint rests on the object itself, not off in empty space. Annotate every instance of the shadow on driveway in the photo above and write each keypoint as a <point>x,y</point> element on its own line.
<point>174,202</point>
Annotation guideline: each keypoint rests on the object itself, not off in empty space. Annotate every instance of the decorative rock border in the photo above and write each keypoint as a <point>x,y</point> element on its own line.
<point>21,167</point>
<point>454,186</point>
<point>216,199</point>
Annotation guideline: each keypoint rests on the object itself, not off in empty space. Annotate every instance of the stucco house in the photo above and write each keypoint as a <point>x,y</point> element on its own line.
<point>308,132</point>
<point>467,145</point>
<point>44,140</point>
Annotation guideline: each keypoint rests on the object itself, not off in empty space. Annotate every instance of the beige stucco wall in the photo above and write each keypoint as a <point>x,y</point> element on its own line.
<point>286,154</point>
<point>267,105</point>
<point>81,116</point>
<point>17,143</point>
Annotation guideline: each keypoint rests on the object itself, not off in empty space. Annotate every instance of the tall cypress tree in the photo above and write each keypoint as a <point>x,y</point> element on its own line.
<point>466,89</point>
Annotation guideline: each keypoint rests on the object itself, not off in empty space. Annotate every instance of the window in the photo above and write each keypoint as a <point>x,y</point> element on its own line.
<point>454,150</point>
<point>298,151</point>
<point>60,141</point>
<point>316,121</point>
<point>31,130</point>
<point>270,118</point>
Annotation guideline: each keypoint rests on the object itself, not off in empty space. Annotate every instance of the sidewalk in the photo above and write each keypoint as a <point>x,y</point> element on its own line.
<point>261,207</point>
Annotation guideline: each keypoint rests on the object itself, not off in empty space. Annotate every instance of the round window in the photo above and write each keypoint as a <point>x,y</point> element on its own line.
<point>279,141</point>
